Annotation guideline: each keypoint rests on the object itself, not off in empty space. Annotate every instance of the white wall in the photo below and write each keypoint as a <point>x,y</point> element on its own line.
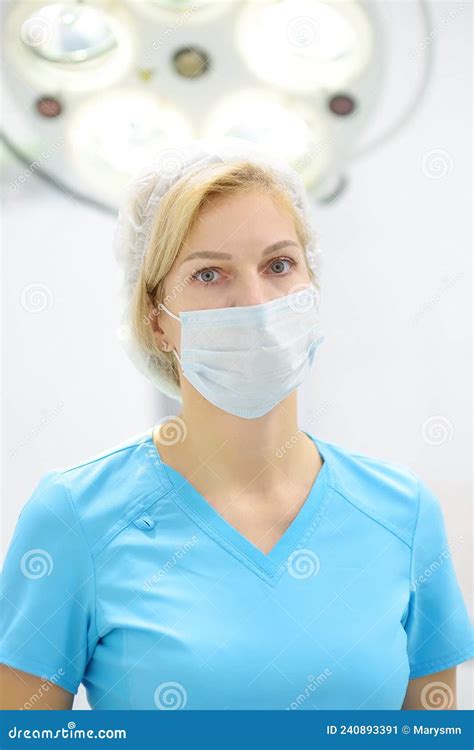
<point>390,240</point>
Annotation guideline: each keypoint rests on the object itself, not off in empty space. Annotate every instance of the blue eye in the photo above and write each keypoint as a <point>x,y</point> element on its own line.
<point>280,261</point>
<point>207,276</point>
<point>205,271</point>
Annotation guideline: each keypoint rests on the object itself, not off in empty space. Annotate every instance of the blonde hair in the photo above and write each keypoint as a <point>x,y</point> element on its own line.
<point>174,219</point>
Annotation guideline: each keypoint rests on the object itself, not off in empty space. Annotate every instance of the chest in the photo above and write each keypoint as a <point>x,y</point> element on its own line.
<point>186,622</point>
<point>262,520</point>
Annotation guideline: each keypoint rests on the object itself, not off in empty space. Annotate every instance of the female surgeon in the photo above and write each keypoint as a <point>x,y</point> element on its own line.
<point>224,558</point>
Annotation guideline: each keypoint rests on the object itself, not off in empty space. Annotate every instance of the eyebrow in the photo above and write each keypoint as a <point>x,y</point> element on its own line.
<point>227,256</point>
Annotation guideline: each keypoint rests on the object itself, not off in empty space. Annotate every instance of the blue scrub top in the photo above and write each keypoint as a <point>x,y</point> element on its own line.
<point>120,575</point>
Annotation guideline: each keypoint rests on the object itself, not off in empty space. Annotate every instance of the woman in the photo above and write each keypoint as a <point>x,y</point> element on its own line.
<point>226,559</point>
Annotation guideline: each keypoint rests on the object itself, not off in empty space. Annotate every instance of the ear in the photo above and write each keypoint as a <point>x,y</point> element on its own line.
<point>153,315</point>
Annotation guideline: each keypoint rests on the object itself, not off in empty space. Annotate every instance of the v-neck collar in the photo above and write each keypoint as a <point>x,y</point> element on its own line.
<point>269,566</point>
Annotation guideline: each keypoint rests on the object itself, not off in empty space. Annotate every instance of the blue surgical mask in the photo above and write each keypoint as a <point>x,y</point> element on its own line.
<point>245,360</point>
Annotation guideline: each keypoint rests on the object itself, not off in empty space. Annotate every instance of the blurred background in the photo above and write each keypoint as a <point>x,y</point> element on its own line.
<point>368,100</point>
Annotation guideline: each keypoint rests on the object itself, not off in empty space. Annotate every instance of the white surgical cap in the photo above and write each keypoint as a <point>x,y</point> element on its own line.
<point>141,197</point>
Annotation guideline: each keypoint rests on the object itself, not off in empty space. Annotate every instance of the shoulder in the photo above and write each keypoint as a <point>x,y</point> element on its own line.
<point>390,492</point>
<point>102,493</point>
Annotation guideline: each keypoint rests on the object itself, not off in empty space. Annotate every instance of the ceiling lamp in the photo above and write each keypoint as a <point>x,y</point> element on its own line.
<point>93,88</point>
<point>68,33</point>
<point>109,135</point>
<point>301,45</point>
<point>281,125</point>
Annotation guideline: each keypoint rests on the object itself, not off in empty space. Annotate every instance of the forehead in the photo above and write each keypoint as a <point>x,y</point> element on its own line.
<point>253,218</point>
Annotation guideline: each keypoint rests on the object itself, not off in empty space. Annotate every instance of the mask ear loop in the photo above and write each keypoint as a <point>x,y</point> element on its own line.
<point>161,306</point>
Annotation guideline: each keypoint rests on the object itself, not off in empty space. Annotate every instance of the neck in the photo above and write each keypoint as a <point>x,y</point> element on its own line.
<point>263,453</point>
